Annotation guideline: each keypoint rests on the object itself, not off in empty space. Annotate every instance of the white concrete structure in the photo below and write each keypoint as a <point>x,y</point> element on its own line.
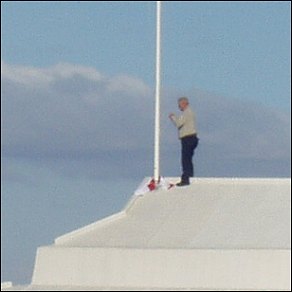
<point>216,234</point>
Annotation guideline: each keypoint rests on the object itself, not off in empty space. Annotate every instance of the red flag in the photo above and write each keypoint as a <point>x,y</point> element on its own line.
<point>152,185</point>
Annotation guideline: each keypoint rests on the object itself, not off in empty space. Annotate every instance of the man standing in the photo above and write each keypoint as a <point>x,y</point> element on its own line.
<point>188,136</point>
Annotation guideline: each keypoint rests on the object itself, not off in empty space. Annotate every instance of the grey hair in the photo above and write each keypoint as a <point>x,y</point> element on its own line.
<point>183,99</point>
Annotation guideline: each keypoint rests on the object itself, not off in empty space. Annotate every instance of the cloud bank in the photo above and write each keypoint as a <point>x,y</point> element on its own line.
<point>71,109</point>
<point>74,112</point>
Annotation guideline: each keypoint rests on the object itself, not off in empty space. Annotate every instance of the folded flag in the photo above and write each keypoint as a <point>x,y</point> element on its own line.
<point>149,185</point>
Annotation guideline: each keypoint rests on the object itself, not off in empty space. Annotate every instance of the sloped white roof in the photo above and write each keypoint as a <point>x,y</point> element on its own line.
<point>210,213</point>
<point>216,234</point>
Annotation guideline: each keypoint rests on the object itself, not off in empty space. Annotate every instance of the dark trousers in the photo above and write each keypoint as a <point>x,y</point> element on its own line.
<point>188,146</point>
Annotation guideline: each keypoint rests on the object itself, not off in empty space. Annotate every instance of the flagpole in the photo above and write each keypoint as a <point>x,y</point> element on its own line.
<point>157,94</point>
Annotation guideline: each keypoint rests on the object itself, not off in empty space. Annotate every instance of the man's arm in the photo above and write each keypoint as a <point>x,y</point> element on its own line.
<point>178,121</point>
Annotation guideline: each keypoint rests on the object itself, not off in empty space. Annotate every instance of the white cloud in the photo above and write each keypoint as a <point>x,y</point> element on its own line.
<point>76,111</point>
<point>245,130</point>
<point>71,108</point>
<point>32,76</point>
<point>128,85</point>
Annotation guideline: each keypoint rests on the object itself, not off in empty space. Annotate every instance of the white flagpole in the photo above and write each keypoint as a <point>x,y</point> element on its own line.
<point>157,94</point>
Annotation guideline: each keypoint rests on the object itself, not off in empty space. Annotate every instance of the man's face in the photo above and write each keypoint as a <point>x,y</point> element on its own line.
<point>182,105</point>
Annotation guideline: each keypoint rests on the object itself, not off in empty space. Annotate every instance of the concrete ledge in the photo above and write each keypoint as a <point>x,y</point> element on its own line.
<point>210,213</point>
<point>6,285</point>
<point>90,227</point>
<point>216,234</point>
<point>163,268</point>
<point>95,225</point>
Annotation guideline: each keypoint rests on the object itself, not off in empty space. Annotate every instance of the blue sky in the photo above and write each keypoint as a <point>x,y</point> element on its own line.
<point>241,50</point>
<point>77,106</point>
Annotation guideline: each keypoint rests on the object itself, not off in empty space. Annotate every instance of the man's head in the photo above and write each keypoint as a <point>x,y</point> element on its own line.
<point>183,103</point>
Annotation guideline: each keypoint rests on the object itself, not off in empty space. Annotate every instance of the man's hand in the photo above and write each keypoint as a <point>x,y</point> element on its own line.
<point>171,115</point>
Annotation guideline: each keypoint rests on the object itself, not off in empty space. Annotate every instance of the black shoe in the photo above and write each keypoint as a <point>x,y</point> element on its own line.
<point>182,184</point>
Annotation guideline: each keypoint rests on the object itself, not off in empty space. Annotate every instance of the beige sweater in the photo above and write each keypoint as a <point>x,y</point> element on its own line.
<point>185,123</point>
